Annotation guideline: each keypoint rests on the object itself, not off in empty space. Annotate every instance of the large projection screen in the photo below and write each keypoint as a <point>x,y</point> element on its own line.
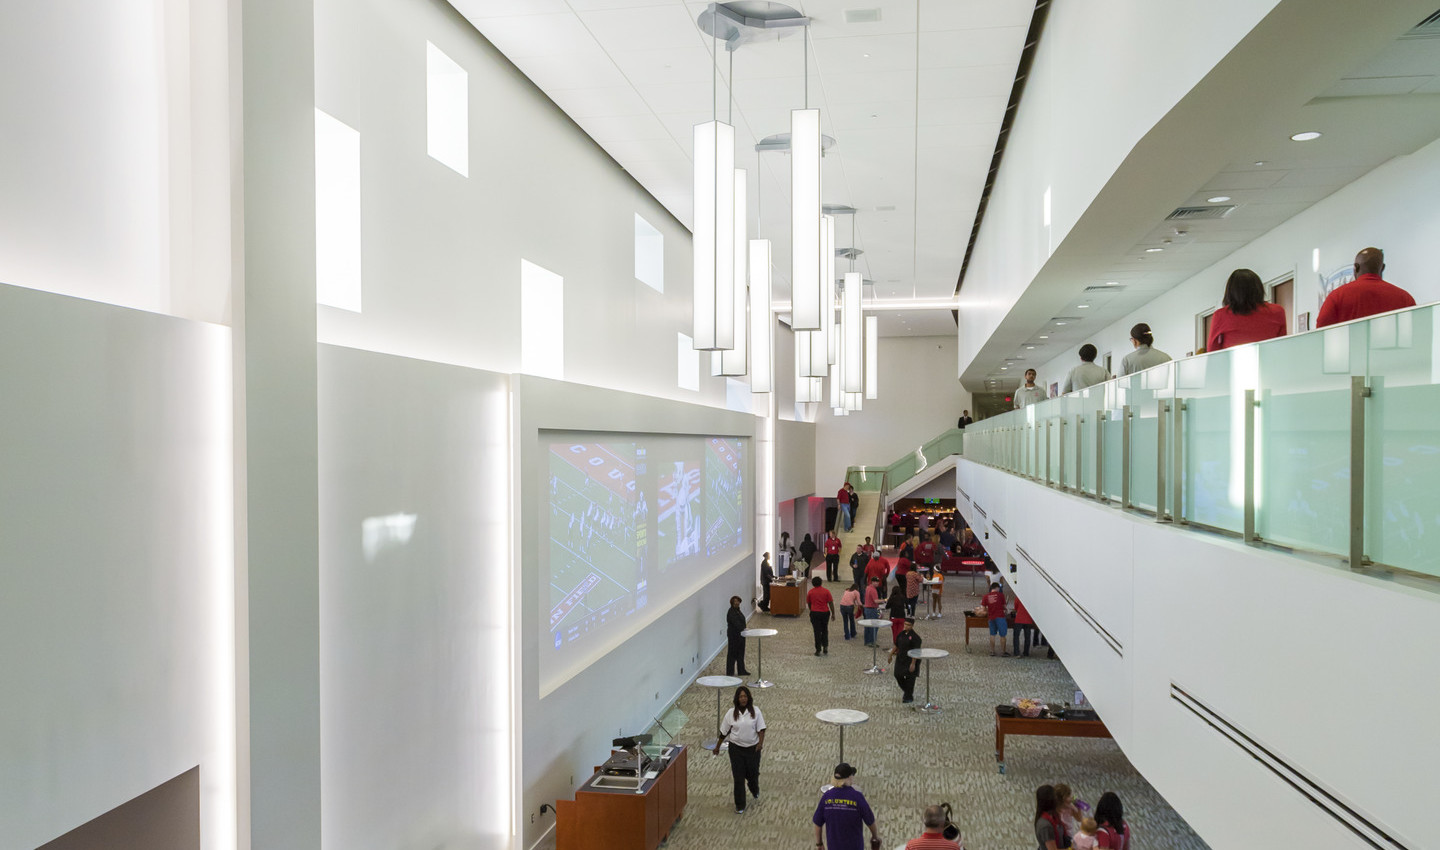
<point>631,524</point>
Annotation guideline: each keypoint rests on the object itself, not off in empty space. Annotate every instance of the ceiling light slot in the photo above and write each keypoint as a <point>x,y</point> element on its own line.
<point>1428,28</point>
<point>1119,287</point>
<point>1200,213</point>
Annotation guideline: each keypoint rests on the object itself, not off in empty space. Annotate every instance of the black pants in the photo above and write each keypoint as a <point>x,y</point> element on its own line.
<point>910,603</point>
<point>820,622</point>
<point>765,598</point>
<point>1027,629</point>
<point>832,567</point>
<point>735,657</point>
<point>905,677</point>
<point>745,768</point>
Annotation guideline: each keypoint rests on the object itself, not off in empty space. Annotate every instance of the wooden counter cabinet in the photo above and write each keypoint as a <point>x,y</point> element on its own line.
<point>622,819</point>
<point>785,600</point>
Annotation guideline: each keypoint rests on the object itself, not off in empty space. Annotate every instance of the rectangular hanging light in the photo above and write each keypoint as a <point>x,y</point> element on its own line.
<point>835,399</point>
<point>806,265</point>
<point>762,321</point>
<point>734,361</point>
<point>872,356</point>
<point>805,386</point>
<point>828,260</point>
<point>714,245</point>
<point>819,354</point>
<point>852,329</point>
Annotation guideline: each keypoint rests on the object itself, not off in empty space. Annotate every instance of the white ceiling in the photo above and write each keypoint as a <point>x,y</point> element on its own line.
<point>913,100</point>
<point>1385,106</point>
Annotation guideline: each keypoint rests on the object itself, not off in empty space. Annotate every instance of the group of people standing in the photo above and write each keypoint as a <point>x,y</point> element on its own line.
<point>1244,316</point>
<point>1061,822</point>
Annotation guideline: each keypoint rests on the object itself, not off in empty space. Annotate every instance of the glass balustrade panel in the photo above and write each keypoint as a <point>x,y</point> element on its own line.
<point>1303,434</point>
<point>1214,436</point>
<point>1402,441</point>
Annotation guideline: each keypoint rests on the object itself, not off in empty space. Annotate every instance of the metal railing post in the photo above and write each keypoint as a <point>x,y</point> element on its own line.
<point>1358,393</point>
<point>1162,426</point>
<point>1177,463</point>
<point>1100,456</point>
<point>1249,531</point>
<point>1047,452</point>
<point>1060,472</point>
<point>1125,421</point>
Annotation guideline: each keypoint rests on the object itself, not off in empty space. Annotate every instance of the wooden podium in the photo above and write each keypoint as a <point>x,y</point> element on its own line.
<point>623,819</point>
<point>785,600</point>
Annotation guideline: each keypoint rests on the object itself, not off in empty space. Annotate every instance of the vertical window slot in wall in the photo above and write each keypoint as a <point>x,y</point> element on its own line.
<point>687,363</point>
<point>337,213</point>
<point>542,322</point>
<point>649,255</point>
<point>447,110</point>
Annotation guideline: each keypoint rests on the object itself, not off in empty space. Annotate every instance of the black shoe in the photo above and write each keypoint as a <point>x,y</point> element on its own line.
<point>907,700</point>
<point>755,794</point>
<point>740,811</point>
<point>826,650</point>
<point>817,653</point>
<point>743,673</point>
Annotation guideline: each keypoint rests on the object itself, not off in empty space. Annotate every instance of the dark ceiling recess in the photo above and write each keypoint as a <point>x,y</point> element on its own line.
<point>1027,58</point>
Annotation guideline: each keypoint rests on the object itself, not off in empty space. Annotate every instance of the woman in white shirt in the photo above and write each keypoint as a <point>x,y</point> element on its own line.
<point>744,728</point>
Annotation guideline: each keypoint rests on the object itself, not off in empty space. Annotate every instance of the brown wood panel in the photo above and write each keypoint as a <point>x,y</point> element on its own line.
<point>609,820</point>
<point>785,600</point>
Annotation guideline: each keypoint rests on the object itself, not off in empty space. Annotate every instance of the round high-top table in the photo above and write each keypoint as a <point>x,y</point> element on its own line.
<point>719,683</point>
<point>758,634</point>
<point>841,717</point>
<point>928,654</point>
<point>876,624</point>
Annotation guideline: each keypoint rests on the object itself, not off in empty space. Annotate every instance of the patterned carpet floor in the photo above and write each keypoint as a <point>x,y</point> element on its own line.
<point>905,759</point>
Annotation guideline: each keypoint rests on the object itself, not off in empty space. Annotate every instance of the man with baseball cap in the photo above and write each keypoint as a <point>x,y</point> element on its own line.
<point>842,815</point>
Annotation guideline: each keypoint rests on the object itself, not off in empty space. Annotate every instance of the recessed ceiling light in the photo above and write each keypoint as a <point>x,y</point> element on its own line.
<point>1043,336</point>
<point>1153,250</point>
<point>1218,199</point>
<point>1029,348</point>
<point>1061,323</point>
<point>1305,136</point>
<point>1083,306</point>
<point>1112,283</point>
<point>866,55</point>
<point>1003,368</point>
<point>1260,162</point>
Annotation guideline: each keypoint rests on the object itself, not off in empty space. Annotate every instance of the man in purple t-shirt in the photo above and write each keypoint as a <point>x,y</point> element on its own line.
<point>842,815</point>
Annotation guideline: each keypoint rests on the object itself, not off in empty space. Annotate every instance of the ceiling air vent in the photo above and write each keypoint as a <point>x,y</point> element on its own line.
<point>1428,28</point>
<point>1200,213</point>
<point>1119,287</point>
<point>887,208</point>
<point>862,16</point>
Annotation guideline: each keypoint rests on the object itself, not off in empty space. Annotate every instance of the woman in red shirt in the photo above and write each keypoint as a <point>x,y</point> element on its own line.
<point>1245,316</point>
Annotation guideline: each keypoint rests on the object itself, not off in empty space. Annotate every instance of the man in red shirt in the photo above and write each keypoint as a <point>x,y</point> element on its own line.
<point>1364,296</point>
<point>822,611</point>
<point>933,838</point>
<point>832,557</point>
<point>878,568</point>
<point>994,603</point>
<point>843,499</point>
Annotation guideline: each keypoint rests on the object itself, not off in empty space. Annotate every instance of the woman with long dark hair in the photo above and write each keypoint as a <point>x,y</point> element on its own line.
<point>1144,356</point>
<point>895,605</point>
<point>1245,315</point>
<point>744,727</point>
<point>1049,831</point>
<point>1113,832</point>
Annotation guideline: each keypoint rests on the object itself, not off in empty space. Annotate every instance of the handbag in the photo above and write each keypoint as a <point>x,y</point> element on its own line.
<point>951,832</point>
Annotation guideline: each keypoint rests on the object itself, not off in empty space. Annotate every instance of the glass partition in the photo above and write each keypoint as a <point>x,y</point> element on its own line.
<point>1381,373</point>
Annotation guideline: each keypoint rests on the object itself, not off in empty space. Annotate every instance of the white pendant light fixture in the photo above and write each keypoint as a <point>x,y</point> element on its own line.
<point>852,329</point>
<point>827,303</point>
<point>734,361</point>
<point>806,389</point>
<point>805,230</point>
<point>762,320</point>
<point>714,245</point>
<point>872,357</point>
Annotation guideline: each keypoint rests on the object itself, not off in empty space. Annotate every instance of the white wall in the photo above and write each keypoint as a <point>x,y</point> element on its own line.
<point>414,634</point>
<point>115,116</point>
<point>1101,102</point>
<point>920,396</point>
<point>441,253</point>
<point>117,587</point>
<point>1391,207</point>
<point>794,459</point>
<point>1250,632</point>
<point>567,732</point>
